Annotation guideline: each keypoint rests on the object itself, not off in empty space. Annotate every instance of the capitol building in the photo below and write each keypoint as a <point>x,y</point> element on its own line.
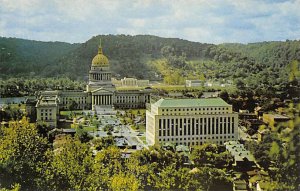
<point>182,121</point>
<point>100,93</point>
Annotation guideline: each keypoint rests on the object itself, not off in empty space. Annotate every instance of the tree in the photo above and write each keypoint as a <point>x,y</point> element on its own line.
<point>68,166</point>
<point>224,95</point>
<point>106,164</point>
<point>121,181</point>
<point>72,105</point>
<point>108,128</point>
<point>83,135</point>
<point>22,149</point>
<point>103,142</point>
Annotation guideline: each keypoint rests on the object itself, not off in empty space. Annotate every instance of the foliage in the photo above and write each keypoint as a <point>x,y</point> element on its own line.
<point>279,154</point>
<point>19,57</point>
<point>211,155</point>
<point>68,166</point>
<point>103,142</point>
<point>21,149</point>
<point>10,113</point>
<point>72,105</point>
<point>265,66</point>
<point>108,128</point>
<point>14,87</point>
<point>83,135</point>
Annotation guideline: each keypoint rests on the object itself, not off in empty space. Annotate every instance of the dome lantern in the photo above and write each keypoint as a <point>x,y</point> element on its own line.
<point>100,60</point>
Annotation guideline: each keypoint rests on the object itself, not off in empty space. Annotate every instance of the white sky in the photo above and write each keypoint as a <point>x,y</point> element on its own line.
<point>209,21</point>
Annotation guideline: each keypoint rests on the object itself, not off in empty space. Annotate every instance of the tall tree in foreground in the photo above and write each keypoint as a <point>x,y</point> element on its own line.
<point>21,149</point>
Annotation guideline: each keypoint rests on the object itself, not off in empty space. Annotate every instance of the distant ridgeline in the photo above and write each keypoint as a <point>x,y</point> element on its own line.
<point>135,56</point>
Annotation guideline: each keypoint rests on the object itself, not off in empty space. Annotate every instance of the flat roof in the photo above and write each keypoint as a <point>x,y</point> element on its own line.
<point>204,102</point>
<point>277,116</point>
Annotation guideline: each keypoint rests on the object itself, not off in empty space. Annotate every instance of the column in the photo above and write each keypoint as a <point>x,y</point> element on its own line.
<point>93,100</point>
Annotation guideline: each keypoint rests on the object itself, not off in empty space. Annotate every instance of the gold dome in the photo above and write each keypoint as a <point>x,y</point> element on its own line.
<point>100,59</point>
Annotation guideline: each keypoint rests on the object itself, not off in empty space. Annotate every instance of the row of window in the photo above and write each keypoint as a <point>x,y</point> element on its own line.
<point>199,113</point>
<point>46,118</point>
<point>128,106</point>
<point>197,142</point>
<point>195,138</point>
<point>196,126</point>
<point>79,100</point>
<point>101,76</point>
<point>46,114</point>
<point>197,109</point>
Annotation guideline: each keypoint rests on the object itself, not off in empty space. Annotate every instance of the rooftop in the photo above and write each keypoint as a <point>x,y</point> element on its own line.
<point>205,102</point>
<point>277,116</point>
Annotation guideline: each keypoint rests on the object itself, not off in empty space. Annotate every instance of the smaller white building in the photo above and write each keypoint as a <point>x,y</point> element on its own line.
<point>47,110</point>
<point>194,83</point>
<point>130,82</point>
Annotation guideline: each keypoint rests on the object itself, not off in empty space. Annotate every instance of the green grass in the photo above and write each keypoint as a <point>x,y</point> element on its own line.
<point>89,128</point>
<point>142,128</point>
<point>143,138</point>
<point>139,127</point>
<point>67,113</point>
<point>135,111</point>
<point>16,106</point>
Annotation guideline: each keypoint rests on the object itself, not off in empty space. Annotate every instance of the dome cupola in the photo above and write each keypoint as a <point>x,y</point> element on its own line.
<point>100,60</point>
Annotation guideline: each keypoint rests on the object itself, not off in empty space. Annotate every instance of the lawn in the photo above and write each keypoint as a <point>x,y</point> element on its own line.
<point>90,128</point>
<point>136,111</point>
<point>67,113</point>
<point>16,106</point>
<point>140,127</point>
<point>143,138</point>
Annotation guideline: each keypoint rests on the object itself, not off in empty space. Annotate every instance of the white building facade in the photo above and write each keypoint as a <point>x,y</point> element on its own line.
<point>190,122</point>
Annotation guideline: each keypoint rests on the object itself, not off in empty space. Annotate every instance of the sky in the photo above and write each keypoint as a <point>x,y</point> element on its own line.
<point>206,21</point>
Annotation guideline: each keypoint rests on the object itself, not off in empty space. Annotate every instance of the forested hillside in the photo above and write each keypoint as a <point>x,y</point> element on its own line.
<point>28,58</point>
<point>265,65</point>
<point>128,55</point>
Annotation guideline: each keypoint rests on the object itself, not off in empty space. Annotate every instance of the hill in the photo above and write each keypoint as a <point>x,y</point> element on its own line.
<point>128,55</point>
<point>257,65</point>
<point>23,58</point>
